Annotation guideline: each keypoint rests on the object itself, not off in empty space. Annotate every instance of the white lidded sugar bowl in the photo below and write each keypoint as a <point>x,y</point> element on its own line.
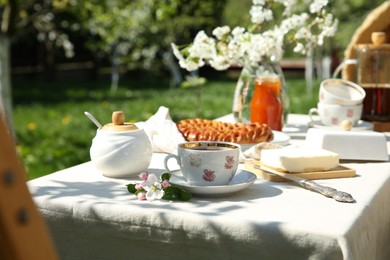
<point>120,149</point>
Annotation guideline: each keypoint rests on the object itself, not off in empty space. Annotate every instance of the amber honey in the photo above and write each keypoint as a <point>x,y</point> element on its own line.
<point>266,105</point>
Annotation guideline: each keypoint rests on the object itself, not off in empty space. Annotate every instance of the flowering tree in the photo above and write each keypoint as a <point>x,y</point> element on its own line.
<point>264,40</point>
<point>17,17</point>
<point>137,34</point>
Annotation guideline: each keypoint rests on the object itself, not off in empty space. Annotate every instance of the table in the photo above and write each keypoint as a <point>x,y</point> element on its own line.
<point>94,217</point>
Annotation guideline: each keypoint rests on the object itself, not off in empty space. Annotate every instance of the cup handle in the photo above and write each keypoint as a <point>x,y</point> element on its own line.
<point>166,159</point>
<point>342,65</point>
<point>312,111</point>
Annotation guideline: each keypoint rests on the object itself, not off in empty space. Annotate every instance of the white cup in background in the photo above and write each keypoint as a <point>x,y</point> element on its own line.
<point>341,92</point>
<point>334,115</point>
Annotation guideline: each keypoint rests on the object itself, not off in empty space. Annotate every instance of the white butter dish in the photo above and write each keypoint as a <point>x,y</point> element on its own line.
<point>350,145</point>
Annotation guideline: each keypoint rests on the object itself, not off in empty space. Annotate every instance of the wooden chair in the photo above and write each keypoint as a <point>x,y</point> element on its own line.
<point>23,233</point>
<point>377,21</point>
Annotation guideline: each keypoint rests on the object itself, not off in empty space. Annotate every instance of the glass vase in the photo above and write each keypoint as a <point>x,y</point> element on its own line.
<point>261,96</point>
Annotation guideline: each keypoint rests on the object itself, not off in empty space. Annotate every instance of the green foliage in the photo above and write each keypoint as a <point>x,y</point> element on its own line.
<point>131,188</point>
<point>193,82</point>
<point>41,19</point>
<point>176,193</point>
<point>139,32</point>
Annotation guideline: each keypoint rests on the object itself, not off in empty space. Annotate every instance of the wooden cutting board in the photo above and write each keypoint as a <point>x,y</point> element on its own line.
<point>341,171</point>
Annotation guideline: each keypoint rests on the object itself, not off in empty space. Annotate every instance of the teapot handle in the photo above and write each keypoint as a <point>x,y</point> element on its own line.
<point>342,65</point>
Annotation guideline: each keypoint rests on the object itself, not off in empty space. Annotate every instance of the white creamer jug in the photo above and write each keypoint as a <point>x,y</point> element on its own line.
<point>120,149</point>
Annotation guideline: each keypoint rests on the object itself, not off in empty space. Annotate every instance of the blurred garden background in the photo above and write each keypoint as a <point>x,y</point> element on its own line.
<point>60,58</point>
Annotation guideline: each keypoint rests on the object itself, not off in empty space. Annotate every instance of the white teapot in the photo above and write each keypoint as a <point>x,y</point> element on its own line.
<point>120,149</point>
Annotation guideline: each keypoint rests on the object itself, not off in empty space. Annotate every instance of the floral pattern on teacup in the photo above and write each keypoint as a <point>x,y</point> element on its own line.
<point>335,121</point>
<point>208,175</point>
<point>195,160</point>
<point>229,162</point>
<point>350,113</point>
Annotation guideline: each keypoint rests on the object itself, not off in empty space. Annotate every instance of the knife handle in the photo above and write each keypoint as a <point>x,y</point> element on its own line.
<point>328,191</point>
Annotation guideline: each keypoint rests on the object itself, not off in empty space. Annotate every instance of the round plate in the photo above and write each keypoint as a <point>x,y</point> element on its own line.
<point>280,138</point>
<point>361,125</point>
<point>240,181</point>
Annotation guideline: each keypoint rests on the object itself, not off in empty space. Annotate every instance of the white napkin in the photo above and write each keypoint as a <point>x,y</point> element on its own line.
<point>162,131</point>
<point>254,153</point>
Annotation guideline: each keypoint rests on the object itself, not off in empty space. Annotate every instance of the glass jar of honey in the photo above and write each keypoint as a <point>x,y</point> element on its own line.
<point>266,105</point>
<point>261,96</point>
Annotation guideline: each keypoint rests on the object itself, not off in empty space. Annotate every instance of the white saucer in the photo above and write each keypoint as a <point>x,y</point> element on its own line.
<point>240,181</point>
<point>280,138</point>
<point>361,125</point>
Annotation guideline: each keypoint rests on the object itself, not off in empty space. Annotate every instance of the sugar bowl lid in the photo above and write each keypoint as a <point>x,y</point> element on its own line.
<point>118,123</point>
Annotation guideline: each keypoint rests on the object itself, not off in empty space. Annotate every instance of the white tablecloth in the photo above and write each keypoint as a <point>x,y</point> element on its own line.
<point>94,217</point>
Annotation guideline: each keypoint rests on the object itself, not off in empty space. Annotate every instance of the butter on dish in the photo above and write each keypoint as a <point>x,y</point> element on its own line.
<point>299,159</point>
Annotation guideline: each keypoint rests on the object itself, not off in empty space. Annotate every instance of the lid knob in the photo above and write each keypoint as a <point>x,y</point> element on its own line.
<point>118,123</point>
<point>378,38</point>
<point>118,117</point>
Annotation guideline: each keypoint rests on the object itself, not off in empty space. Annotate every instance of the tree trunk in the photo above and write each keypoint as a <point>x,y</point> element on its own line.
<point>5,81</point>
<point>114,70</point>
<point>170,62</point>
<point>309,72</point>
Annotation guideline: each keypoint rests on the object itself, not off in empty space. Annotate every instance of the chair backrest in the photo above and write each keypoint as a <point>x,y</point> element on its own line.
<point>23,233</point>
<point>377,21</point>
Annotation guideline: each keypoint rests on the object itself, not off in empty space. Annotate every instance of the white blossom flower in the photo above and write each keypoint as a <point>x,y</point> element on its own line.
<point>221,32</point>
<point>260,14</point>
<point>299,48</point>
<point>203,47</point>
<point>293,22</point>
<point>176,52</point>
<point>153,187</point>
<point>317,5</point>
<point>220,62</point>
<point>237,31</point>
<point>289,6</point>
<point>258,2</point>
<point>190,64</point>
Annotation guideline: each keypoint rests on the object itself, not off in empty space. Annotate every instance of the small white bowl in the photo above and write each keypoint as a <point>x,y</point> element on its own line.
<point>341,92</point>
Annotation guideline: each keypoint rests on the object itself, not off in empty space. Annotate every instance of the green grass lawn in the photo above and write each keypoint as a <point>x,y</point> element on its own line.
<point>53,133</point>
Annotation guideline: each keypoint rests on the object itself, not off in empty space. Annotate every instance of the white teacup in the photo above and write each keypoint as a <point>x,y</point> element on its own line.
<point>341,92</point>
<point>206,163</point>
<point>334,115</point>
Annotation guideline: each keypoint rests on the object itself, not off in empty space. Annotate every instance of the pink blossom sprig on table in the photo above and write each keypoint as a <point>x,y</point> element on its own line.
<point>152,188</point>
<point>304,25</point>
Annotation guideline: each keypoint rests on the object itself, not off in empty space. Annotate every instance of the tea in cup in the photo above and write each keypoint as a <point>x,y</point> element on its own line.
<point>341,92</point>
<point>206,163</point>
<point>334,115</point>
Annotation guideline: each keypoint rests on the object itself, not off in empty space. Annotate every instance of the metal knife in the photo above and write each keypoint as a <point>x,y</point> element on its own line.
<point>310,185</point>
